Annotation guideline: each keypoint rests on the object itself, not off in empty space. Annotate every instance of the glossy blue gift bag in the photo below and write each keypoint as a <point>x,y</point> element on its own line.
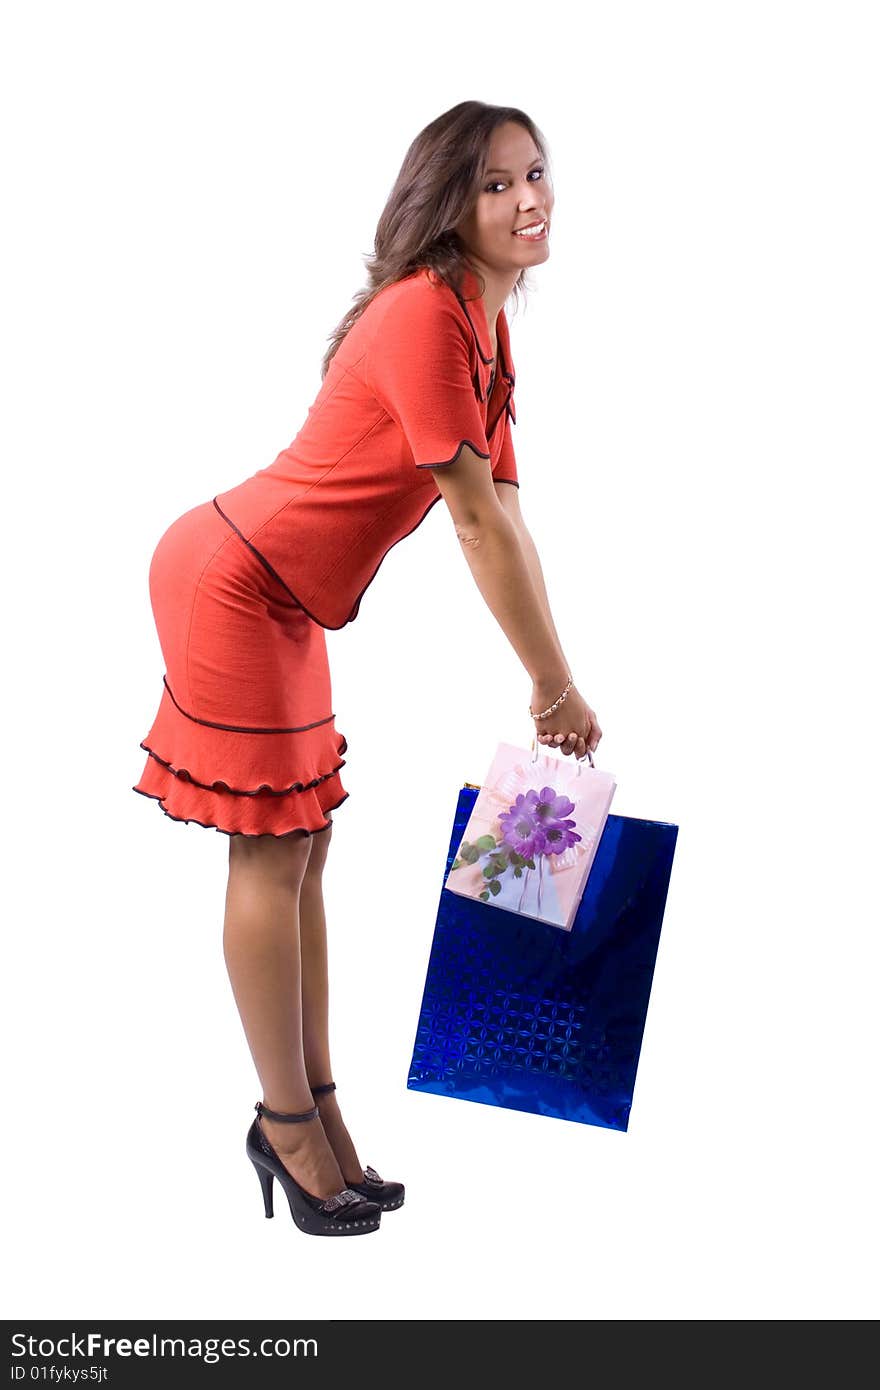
<point>519,1014</point>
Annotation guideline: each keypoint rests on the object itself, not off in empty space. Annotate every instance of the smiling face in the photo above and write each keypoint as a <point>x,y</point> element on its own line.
<point>514,193</point>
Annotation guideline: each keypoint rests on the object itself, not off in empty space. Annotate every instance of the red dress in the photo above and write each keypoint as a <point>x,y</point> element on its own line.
<point>242,587</point>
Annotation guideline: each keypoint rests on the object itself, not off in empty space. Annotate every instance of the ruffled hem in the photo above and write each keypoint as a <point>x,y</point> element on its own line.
<point>258,792</point>
<point>262,820</point>
<point>220,785</point>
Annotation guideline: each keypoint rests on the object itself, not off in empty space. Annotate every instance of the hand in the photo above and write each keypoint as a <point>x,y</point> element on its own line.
<point>572,729</point>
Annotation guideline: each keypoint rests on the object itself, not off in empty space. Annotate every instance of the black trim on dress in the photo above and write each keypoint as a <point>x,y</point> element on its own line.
<point>248,835</point>
<point>432,503</point>
<point>330,627</point>
<point>275,575</point>
<point>262,559</point>
<point>243,728</point>
<point>485,360</point>
<point>471,445</point>
<point>218,785</point>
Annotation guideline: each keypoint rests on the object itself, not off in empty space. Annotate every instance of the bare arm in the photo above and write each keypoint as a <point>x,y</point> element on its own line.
<point>504,567</point>
<point>508,496</point>
<point>500,565</point>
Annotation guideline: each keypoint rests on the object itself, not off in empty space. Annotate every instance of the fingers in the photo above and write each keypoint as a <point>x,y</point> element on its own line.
<point>576,744</point>
<point>565,743</point>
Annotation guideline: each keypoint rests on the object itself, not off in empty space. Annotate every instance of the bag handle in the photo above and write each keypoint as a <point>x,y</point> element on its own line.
<point>536,746</point>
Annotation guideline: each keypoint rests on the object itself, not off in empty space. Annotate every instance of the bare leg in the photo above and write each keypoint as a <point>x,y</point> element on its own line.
<point>261,946</point>
<point>315,1005</point>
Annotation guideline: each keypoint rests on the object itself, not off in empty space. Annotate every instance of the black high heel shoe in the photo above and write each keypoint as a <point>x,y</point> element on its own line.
<point>344,1214</point>
<point>389,1195</point>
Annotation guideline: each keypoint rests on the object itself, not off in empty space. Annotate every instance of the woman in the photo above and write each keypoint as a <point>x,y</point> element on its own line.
<point>416,403</point>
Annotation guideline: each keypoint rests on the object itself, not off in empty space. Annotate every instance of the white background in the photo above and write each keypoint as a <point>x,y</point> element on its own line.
<point>191,189</point>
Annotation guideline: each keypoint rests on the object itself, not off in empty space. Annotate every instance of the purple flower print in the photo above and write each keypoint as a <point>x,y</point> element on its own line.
<point>551,805</point>
<point>559,837</point>
<point>551,810</point>
<point>537,824</point>
<point>519,826</point>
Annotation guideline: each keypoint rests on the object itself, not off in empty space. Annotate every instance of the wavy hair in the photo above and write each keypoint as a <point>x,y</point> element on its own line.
<point>439,181</point>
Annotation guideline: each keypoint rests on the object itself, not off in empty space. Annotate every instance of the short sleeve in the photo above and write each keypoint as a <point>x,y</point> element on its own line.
<point>418,366</point>
<point>505,471</point>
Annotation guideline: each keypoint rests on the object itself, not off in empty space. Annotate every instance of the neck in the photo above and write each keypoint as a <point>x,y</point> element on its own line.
<point>499,285</point>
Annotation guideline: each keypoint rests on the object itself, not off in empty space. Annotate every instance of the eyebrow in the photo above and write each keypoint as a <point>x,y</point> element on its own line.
<point>537,160</point>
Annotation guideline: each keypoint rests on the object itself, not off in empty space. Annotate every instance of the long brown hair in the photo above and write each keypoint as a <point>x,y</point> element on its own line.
<point>439,181</point>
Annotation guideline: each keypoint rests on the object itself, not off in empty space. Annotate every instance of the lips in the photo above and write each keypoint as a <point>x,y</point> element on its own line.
<point>541,223</point>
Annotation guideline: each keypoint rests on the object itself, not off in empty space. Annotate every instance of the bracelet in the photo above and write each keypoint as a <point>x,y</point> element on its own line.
<point>556,703</point>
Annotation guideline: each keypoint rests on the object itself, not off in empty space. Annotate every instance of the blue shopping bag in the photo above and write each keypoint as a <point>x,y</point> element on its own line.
<point>519,1014</point>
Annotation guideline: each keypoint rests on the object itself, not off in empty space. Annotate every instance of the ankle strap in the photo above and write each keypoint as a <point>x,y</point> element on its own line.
<point>262,1109</point>
<point>324,1090</point>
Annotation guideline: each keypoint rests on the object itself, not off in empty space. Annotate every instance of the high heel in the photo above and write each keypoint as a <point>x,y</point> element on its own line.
<point>389,1195</point>
<point>344,1214</point>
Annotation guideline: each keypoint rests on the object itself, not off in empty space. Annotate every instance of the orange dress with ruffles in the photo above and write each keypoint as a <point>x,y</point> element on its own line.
<point>243,586</point>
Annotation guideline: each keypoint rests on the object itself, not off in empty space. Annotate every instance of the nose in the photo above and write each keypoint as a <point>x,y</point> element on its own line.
<point>535,197</point>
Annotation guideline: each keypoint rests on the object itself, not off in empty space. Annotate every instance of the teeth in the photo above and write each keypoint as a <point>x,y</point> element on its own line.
<point>532,231</point>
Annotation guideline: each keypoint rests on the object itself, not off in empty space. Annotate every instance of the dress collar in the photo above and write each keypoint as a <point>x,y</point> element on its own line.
<point>474,308</point>
<point>472,303</point>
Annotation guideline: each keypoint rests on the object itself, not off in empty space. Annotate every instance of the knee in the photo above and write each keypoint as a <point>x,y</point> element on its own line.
<point>279,857</point>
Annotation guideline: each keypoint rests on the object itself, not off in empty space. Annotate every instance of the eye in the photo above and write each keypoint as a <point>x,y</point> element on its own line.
<point>490,186</point>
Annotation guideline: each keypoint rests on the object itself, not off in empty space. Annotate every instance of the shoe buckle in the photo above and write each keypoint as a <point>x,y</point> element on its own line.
<point>340,1200</point>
